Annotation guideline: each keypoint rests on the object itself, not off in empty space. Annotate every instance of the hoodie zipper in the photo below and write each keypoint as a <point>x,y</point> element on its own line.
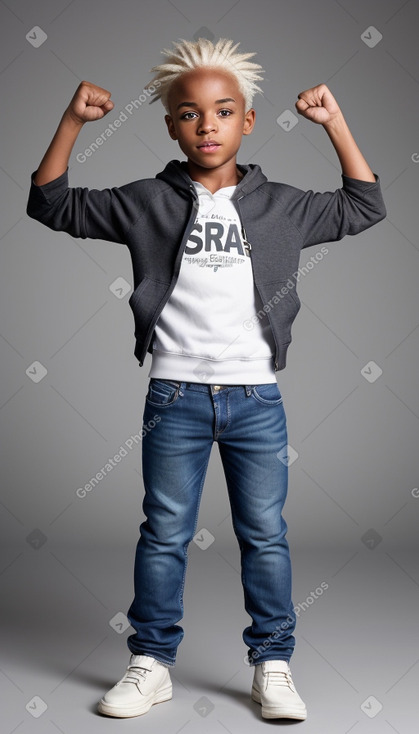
<point>248,249</point>
<point>186,233</point>
<point>246,243</point>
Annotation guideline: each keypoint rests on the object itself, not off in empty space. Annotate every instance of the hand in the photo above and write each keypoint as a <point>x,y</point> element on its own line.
<point>318,105</point>
<point>89,103</point>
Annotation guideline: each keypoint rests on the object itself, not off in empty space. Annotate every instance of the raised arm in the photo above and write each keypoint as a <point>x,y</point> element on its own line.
<point>88,104</point>
<point>104,214</point>
<point>319,105</point>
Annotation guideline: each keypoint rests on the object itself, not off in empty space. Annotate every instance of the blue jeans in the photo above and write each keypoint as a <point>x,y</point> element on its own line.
<point>181,422</point>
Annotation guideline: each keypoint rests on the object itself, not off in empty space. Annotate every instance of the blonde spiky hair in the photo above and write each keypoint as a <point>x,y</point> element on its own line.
<point>189,55</point>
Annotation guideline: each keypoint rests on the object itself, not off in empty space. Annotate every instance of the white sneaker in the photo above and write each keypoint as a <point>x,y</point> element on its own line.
<point>146,681</point>
<point>273,687</point>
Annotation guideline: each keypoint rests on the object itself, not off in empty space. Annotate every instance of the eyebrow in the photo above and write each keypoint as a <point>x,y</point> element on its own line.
<point>194,104</point>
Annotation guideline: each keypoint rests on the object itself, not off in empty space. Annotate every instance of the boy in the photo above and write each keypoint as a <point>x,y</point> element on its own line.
<point>214,247</point>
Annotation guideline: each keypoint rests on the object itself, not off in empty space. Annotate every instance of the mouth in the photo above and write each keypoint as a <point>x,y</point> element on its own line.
<point>209,146</point>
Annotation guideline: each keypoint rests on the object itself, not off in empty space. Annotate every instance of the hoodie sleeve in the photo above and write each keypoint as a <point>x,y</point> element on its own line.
<point>98,214</point>
<point>329,216</point>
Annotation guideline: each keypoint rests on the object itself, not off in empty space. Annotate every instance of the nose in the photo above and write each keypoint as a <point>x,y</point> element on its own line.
<point>207,124</point>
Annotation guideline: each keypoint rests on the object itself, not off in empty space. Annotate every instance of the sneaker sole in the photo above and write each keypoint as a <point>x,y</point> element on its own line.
<point>279,712</point>
<point>124,712</point>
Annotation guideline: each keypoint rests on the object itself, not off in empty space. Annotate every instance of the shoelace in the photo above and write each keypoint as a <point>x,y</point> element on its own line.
<point>135,674</point>
<point>278,678</point>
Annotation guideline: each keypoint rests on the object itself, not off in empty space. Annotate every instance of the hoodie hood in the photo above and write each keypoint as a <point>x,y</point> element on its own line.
<point>176,175</point>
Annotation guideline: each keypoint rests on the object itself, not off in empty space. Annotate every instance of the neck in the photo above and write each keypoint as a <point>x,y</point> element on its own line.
<point>215,178</point>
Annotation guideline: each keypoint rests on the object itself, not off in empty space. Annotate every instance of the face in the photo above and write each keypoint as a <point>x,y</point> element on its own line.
<point>208,118</point>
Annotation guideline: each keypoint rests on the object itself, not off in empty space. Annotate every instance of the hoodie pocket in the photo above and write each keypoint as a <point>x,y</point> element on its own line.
<point>281,304</point>
<point>145,302</point>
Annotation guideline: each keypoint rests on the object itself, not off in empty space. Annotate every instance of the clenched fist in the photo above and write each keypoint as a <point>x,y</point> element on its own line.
<point>89,103</point>
<point>318,105</point>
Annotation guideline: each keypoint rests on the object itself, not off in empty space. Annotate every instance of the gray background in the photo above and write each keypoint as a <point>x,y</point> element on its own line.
<point>352,509</point>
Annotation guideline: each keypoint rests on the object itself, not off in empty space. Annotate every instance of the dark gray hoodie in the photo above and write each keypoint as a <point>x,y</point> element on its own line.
<point>155,216</point>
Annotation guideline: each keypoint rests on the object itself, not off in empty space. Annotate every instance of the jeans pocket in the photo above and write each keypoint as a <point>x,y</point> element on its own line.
<point>267,394</point>
<point>162,393</point>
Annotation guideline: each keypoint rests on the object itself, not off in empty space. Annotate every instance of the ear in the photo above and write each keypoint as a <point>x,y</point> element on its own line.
<point>170,126</point>
<point>249,121</point>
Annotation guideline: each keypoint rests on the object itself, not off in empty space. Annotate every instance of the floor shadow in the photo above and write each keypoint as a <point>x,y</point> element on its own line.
<point>236,694</point>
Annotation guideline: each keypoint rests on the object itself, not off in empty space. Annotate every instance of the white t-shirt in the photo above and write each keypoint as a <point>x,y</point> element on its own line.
<point>205,332</point>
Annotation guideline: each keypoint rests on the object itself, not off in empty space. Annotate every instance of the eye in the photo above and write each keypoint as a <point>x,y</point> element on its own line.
<point>186,116</point>
<point>225,113</point>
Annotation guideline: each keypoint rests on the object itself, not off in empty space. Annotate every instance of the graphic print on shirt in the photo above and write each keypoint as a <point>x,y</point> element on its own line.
<point>215,242</point>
